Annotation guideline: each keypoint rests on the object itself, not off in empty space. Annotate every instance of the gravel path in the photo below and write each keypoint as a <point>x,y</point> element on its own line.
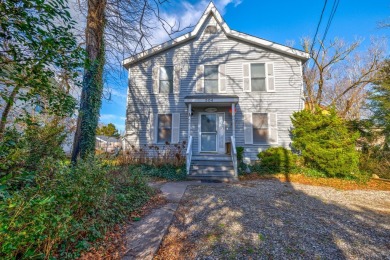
<point>275,220</point>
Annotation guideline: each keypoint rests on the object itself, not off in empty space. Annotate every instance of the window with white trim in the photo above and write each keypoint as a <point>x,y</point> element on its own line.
<point>260,128</point>
<point>166,79</point>
<point>258,77</point>
<point>164,133</point>
<point>211,79</point>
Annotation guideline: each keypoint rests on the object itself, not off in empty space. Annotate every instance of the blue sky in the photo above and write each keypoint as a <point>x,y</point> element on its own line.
<point>284,22</point>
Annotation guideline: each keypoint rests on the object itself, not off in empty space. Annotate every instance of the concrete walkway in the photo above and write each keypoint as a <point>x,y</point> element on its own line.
<point>144,237</point>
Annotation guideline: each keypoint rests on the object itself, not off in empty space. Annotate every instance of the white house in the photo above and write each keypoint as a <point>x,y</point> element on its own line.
<point>214,87</point>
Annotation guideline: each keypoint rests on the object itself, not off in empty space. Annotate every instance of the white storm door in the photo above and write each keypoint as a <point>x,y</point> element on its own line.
<point>221,132</point>
<point>208,132</point>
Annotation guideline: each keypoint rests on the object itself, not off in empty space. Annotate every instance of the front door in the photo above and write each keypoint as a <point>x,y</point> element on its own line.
<point>212,132</point>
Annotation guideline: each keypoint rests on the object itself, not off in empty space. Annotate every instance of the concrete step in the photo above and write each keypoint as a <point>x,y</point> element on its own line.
<point>211,158</point>
<point>219,168</point>
<point>219,178</point>
<point>212,163</point>
<point>216,173</point>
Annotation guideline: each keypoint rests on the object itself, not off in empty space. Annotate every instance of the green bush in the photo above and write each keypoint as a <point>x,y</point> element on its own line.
<point>240,153</point>
<point>21,153</point>
<point>276,160</point>
<point>166,171</point>
<point>325,143</point>
<point>68,209</point>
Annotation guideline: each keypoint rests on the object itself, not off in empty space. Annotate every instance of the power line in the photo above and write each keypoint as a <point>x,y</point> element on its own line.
<point>331,16</point>
<point>318,26</point>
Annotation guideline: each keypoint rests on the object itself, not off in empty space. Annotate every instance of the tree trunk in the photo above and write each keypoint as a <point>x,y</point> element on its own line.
<point>7,109</point>
<point>92,87</point>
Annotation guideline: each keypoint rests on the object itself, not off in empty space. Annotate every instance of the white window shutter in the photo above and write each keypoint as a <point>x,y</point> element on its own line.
<point>176,78</point>
<point>156,79</point>
<point>270,77</point>
<point>222,78</point>
<point>200,79</point>
<point>175,128</point>
<point>153,128</point>
<point>246,77</point>
<point>248,128</point>
<point>273,128</point>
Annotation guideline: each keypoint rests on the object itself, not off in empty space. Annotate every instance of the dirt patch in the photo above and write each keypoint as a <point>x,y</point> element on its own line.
<point>272,219</point>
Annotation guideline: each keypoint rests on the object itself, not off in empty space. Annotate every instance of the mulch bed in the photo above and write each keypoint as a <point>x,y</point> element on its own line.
<point>336,183</point>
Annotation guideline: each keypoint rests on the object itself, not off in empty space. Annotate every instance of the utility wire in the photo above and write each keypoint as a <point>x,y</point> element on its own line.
<point>318,26</point>
<point>331,16</point>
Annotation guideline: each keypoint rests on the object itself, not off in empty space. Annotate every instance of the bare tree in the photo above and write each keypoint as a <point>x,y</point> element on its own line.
<point>114,28</point>
<point>339,75</point>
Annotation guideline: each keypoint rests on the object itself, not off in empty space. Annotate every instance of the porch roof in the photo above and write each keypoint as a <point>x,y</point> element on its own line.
<point>211,99</point>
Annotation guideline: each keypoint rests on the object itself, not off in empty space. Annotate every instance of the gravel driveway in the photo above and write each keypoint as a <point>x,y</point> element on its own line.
<point>274,220</point>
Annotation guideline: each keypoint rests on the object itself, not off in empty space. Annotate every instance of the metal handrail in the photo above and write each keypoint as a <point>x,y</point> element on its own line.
<point>234,155</point>
<point>189,155</point>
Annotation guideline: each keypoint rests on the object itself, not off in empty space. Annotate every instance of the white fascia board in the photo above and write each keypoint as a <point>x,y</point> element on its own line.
<point>269,45</point>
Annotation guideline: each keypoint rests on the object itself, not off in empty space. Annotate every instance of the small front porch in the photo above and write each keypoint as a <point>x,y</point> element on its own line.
<point>211,151</point>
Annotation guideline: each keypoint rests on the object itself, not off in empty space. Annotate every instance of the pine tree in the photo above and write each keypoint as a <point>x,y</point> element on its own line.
<point>325,142</point>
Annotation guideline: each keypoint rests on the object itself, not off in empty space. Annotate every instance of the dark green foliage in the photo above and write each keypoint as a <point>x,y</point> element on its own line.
<point>68,209</point>
<point>380,104</point>
<point>166,171</point>
<point>108,130</point>
<point>21,154</point>
<point>276,160</point>
<point>325,142</point>
<point>37,45</point>
<point>240,153</point>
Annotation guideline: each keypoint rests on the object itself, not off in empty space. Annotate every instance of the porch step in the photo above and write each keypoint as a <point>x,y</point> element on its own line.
<point>212,167</point>
<point>211,158</point>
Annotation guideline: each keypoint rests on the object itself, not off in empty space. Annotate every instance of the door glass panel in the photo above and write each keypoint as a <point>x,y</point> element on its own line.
<point>209,142</point>
<point>209,123</point>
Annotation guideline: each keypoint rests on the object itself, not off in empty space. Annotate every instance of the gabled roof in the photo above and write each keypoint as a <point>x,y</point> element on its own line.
<point>212,10</point>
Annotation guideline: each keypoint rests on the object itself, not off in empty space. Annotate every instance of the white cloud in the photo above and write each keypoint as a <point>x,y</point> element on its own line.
<point>187,14</point>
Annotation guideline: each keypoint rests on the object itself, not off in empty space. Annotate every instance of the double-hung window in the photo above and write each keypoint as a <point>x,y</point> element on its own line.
<point>211,79</point>
<point>164,124</point>
<point>260,128</point>
<point>258,77</point>
<point>166,79</point>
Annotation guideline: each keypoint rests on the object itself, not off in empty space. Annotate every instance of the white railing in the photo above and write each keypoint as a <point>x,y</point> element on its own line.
<point>189,155</point>
<point>233,153</point>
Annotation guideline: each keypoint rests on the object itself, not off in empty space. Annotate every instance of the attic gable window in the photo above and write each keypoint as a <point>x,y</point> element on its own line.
<point>211,29</point>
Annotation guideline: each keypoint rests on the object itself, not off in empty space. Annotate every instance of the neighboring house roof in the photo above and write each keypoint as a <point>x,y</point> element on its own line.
<point>106,139</point>
<point>211,9</point>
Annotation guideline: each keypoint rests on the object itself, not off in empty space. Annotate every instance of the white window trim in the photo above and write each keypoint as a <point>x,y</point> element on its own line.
<point>268,128</point>
<point>266,76</point>
<point>204,78</point>
<point>156,128</point>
